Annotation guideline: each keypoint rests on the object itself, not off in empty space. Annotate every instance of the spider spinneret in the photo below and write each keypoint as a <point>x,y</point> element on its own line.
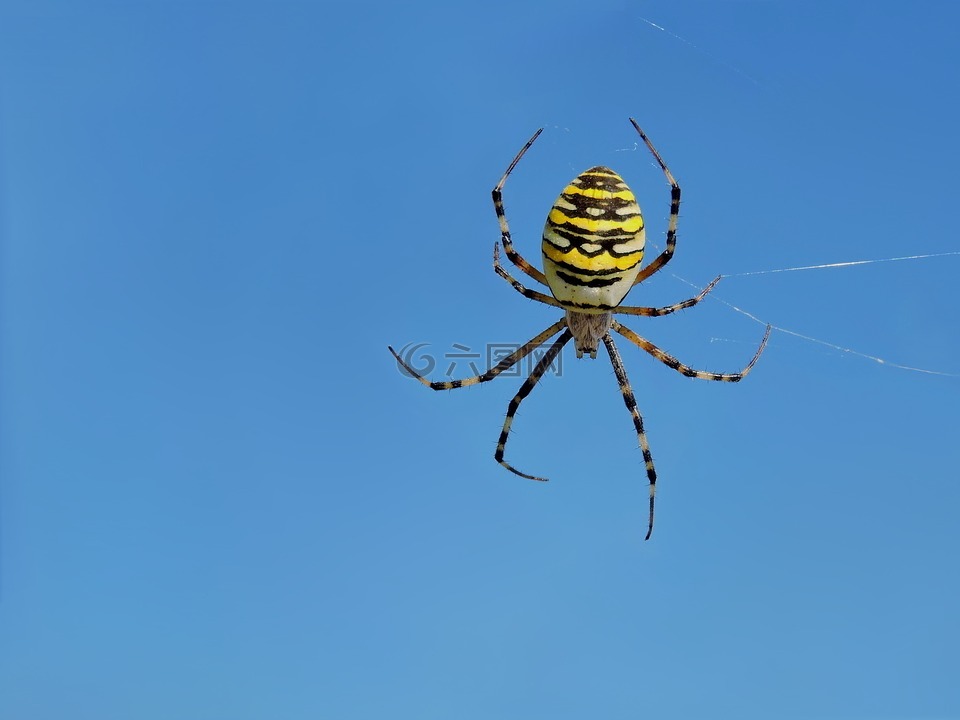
<point>593,243</point>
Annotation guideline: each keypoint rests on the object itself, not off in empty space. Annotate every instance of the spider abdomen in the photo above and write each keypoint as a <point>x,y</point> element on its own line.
<point>593,242</point>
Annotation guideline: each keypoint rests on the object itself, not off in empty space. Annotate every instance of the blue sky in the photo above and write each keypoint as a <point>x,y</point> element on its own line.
<point>220,499</point>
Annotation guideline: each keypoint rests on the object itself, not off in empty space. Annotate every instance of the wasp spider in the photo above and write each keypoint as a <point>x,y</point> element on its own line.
<point>592,247</point>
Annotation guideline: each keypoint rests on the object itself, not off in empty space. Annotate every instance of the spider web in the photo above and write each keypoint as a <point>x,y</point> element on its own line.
<point>809,338</point>
<point>822,266</point>
<point>699,49</point>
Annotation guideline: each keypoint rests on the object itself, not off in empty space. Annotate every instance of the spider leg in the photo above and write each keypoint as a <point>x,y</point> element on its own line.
<point>657,312</point>
<point>515,257</point>
<point>526,292</point>
<point>505,364</point>
<point>524,390</point>
<point>672,362</point>
<point>631,402</point>
<point>667,253</point>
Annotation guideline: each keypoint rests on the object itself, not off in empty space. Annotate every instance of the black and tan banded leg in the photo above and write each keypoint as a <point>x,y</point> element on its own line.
<point>664,257</point>
<point>631,402</point>
<point>508,362</point>
<point>514,257</point>
<point>672,362</point>
<point>525,291</point>
<point>524,390</point>
<point>658,312</point>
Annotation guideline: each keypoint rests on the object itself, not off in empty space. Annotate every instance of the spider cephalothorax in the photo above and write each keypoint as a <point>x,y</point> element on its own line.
<point>593,244</point>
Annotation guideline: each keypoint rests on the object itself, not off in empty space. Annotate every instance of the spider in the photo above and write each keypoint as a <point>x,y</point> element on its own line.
<point>593,244</point>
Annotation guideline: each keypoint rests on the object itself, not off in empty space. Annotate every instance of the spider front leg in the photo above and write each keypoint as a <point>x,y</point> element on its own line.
<point>512,254</point>
<point>502,366</point>
<point>670,362</point>
<point>524,390</point>
<point>631,402</point>
<point>667,253</point>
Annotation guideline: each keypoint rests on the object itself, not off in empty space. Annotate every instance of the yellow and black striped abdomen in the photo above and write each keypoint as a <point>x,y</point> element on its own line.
<point>593,242</point>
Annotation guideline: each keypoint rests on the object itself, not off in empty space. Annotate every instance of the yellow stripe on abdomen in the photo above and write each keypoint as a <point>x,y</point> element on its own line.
<point>596,226</point>
<point>577,259</point>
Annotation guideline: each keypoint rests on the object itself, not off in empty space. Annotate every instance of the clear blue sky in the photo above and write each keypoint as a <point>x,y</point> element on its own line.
<point>219,498</point>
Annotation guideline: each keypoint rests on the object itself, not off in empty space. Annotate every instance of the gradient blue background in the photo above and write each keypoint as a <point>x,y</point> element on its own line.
<point>220,499</point>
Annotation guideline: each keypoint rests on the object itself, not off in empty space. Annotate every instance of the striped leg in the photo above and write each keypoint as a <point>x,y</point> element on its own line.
<point>672,362</point>
<point>505,364</point>
<point>524,390</point>
<point>631,402</point>
<point>657,312</point>
<point>526,292</point>
<point>667,253</point>
<point>512,254</point>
